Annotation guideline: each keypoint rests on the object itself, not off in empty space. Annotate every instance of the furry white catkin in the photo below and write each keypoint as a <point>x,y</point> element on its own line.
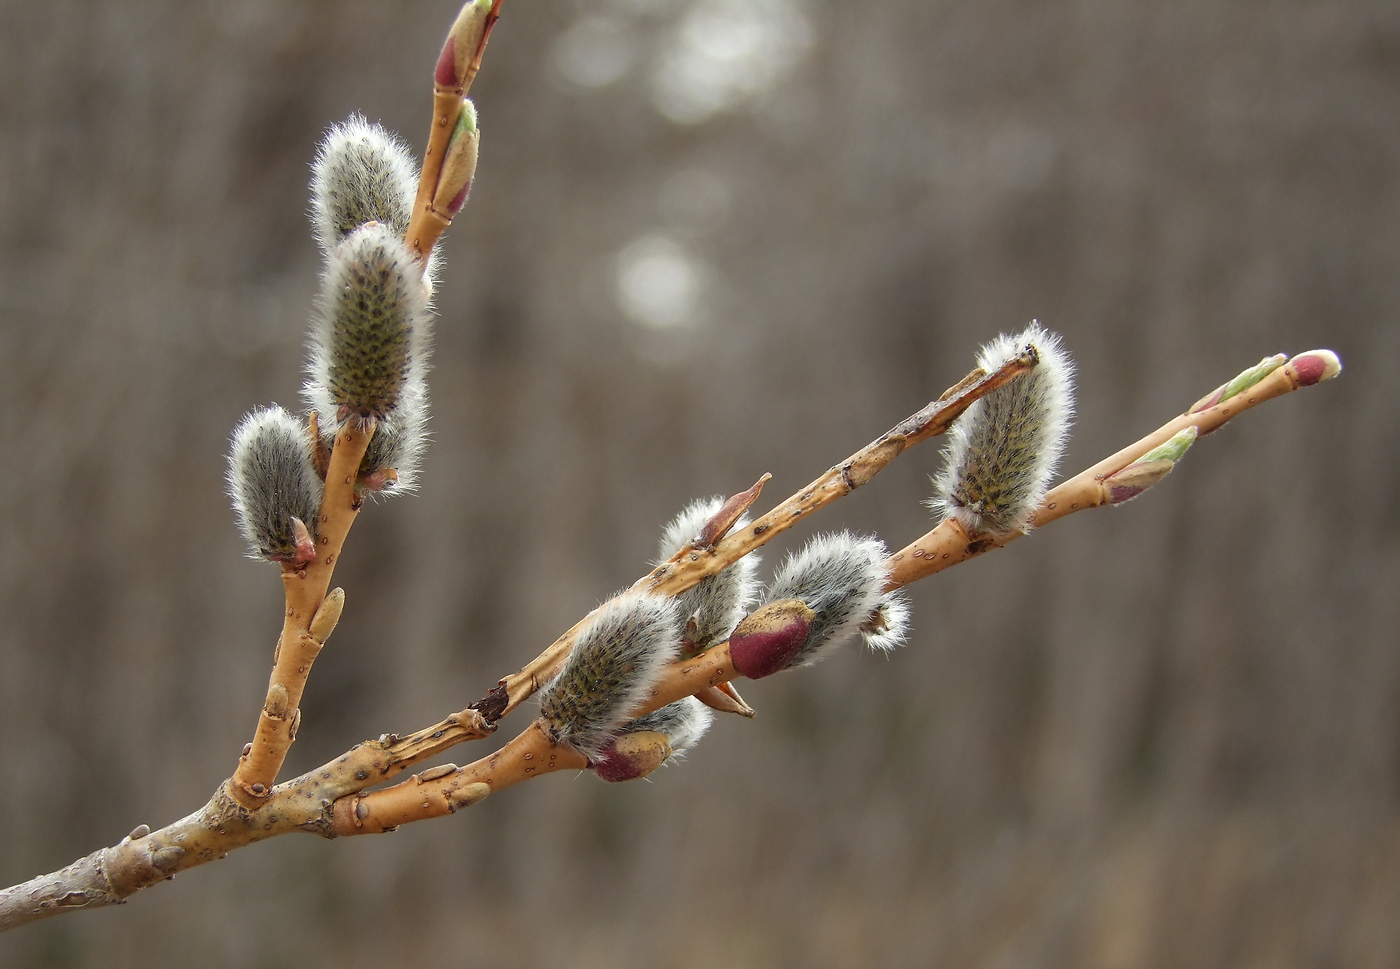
<point>839,577</point>
<point>683,723</point>
<point>362,173</point>
<point>1002,453</point>
<point>712,607</point>
<point>398,442</point>
<point>617,658</point>
<point>272,480</point>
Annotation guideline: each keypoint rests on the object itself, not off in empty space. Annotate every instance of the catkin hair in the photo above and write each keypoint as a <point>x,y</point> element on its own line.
<point>683,723</point>
<point>840,577</point>
<point>713,606</point>
<point>271,479</point>
<point>399,439</point>
<point>616,659</point>
<point>1002,452</point>
<point>362,173</point>
<point>888,625</point>
<point>371,332</point>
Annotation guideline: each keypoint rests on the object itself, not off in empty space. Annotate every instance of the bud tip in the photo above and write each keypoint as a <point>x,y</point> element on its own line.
<point>1315,366</point>
<point>768,640</point>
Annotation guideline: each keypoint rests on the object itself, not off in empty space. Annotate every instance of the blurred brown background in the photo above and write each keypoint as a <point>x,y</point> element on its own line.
<point>712,238</point>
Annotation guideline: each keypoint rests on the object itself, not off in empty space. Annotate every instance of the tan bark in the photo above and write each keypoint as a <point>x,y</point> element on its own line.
<point>692,563</point>
<point>426,225</point>
<point>948,543</point>
<point>435,793</point>
<point>306,599</point>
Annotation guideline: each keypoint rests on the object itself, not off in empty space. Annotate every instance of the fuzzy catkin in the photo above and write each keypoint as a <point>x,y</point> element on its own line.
<point>1002,452</point>
<point>399,439</point>
<point>682,723</point>
<point>888,625</point>
<point>840,577</point>
<point>370,336</point>
<point>717,602</point>
<point>616,659</point>
<point>361,174</point>
<point>271,479</point>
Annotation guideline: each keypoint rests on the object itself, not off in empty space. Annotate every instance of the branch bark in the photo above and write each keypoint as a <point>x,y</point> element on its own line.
<point>330,800</point>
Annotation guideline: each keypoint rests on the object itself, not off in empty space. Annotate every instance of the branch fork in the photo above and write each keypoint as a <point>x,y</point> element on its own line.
<point>336,798</point>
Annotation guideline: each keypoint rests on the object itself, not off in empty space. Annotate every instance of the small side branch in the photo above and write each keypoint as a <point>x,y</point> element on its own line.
<point>329,800</point>
<point>949,543</point>
<point>693,563</point>
<point>309,618</point>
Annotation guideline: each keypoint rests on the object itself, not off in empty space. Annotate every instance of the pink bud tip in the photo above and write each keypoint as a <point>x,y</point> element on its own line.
<point>446,73</point>
<point>1208,401</point>
<point>459,200</point>
<point>767,640</point>
<point>306,546</point>
<point>1117,494</point>
<point>1315,366</point>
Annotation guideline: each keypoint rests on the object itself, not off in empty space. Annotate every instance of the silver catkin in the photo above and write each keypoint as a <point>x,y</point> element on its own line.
<point>717,603</point>
<point>840,577</point>
<point>1002,452</point>
<point>271,479</point>
<point>888,625</point>
<point>683,723</point>
<point>370,336</point>
<point>362,173</point>
<point>616,659</point>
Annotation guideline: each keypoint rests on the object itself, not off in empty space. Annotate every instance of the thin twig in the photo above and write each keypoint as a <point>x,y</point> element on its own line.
<point>309,617</point>
<point>693,563</point>
<point>427,224</point>
<point>949,543</point>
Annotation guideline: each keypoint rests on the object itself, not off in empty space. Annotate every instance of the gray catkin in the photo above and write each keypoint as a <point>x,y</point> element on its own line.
<point>361,173</point>
<point>371,333</point>
<point>1002,452</point>
<point>617,658</point>
<point>683,723</point>
<point>839,576</point>
<point>719,601</point>
<point>888,625</point>
<point>271,478</point>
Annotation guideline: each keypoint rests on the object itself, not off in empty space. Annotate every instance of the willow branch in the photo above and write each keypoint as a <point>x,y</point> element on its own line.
<point>309,618</point>
<point>446,789</point>
<point>451,83</point>
<point>331,801</point>
<point>694,562</point>
<point>949,543</point>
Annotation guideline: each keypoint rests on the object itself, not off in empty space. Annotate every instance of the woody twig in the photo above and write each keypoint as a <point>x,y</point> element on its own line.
<point>623,689</point>
<point>449,163</point>
<point>1127,473</point>
<point>309,618</point>
<point>778,629</point>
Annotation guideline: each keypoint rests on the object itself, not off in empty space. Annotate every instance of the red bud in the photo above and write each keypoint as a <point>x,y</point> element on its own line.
<point>768,639</point>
